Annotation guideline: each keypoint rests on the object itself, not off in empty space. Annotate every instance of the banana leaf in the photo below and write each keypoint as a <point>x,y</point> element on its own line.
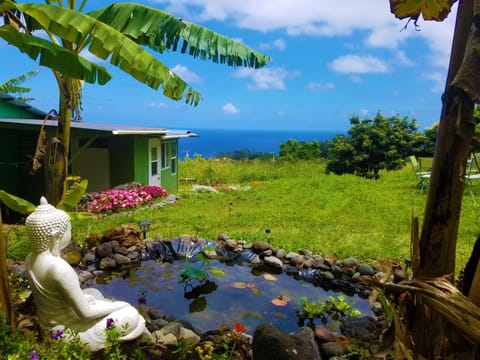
<point>17,204</point>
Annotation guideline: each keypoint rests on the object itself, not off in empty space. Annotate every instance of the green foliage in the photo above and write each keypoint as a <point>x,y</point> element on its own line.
<point>13,87</point>
<point>309,150</point>
<point>17,344</point>
<point>373,145</point>
<point>428,146</point>
<point>335,308</point>
<point>71,200</point>
<point>246,154</point>
<point>17,204</point>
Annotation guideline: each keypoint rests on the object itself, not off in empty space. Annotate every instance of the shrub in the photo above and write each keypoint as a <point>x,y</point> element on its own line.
<point>114,200</point>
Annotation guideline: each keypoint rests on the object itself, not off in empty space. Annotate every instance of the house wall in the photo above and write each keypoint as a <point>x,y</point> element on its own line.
<point>17,148</point>
<point>121,160</point>
<point>169,165</point>
<point>8,110</point>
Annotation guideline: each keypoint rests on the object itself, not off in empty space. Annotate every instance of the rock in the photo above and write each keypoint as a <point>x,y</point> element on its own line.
<point>332,349</point>
<point>72,257</point>
<point>107,263</point>
<point>89,258</point>
<point>115,246</point>
<point>327,275</point>
<point>291,255</point>
<point>363,328</point>
<point>223,237</point>
<point>280,253</point>
<point>134,255</point>
<point>273,262</point>
<point>165,339</point>
<point>271,343</point>
<point>121,259</point>
<point>324,335</point>
<point>210,254</point>
<point>317,261</point>
<point>267,252</point>
<point>84,275</point>
<point>121,250</point>
<point>350,262</point>
<point>172,328</point>
<point>189,336</point>
<point>104,250</point>
<point>348,271</point>
<point>230,244</point>
<point>260,246</point>
<point>365,269</point>
<point>337,270</point>
<point>306,253</point>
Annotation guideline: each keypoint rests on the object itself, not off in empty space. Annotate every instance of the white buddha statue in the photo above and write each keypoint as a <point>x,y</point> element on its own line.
<point>61,303</point>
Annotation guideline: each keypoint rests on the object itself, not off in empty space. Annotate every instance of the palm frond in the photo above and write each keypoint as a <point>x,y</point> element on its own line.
<point>160,30</point>
<point>54,56</point>
<point>106,42</point>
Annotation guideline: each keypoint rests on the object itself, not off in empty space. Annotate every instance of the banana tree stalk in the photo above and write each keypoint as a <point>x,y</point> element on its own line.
<point>6,306</point>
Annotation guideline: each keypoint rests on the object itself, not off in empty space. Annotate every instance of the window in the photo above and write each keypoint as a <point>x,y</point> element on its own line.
<point>153,160</point>
<point>173,159</point>
<point>164,155</point>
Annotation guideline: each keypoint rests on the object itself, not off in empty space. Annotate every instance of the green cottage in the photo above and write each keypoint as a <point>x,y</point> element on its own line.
<point>106,155</point>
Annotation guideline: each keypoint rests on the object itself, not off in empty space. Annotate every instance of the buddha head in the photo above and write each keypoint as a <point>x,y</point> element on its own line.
<point>47,227</point>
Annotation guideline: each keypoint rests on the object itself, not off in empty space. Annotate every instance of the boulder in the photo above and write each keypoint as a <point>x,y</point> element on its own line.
<point>272,343</point>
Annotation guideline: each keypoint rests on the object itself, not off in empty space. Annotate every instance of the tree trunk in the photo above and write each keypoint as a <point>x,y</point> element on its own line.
<point>437,245</point>
<point>58,170</point>
<point>6,307</point>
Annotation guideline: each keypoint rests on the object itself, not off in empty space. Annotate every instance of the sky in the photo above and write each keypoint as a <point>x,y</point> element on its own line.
<point>331,60</point>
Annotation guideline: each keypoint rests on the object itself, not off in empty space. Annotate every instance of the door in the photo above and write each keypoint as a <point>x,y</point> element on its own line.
<point>154,162</point>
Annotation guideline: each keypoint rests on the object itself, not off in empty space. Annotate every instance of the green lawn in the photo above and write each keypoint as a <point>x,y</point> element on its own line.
<point>301,205</point>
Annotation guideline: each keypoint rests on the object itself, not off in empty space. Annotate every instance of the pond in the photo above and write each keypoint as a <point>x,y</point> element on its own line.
<point>230,293</point>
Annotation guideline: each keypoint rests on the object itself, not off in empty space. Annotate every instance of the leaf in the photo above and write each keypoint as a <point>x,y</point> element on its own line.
<point>217,272</point>
<point>192,272</point>
<point>74,197</point>
<point>160,30</point>
<point>429,9</point>
<point>17,204</point>
<point>280,301</point>
<point>269,277</point>
<point>240,285</point>
<point>104,42</point>
<point>55,57</point>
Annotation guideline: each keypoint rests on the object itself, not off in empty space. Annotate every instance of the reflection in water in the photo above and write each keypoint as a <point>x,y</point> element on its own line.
<point>242,295</point>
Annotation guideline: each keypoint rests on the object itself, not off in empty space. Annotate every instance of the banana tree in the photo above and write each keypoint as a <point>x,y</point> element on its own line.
<point>119,32</point>
<point>13,86</point>
<point>435,257</point>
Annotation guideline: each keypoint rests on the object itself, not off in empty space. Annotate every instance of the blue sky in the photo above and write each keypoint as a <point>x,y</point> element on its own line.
<point>329,62</point>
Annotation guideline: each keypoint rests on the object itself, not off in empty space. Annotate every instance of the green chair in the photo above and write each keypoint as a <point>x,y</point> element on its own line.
<point>423,177</point>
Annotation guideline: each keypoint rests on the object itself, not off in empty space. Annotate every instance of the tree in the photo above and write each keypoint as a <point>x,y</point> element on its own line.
<point>13,87</point>
<point>435,257</point>
<point>373,145</point>
<point>119,32</point>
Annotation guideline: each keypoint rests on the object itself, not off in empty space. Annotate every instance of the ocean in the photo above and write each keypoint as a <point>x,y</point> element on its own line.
<point>212,142</point>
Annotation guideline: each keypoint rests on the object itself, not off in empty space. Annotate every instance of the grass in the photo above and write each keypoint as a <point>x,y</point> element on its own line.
<point>301,206</point>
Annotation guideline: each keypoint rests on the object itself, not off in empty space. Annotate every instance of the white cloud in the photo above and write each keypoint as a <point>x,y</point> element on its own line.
<point>278,44</point>
<point>156,104</point>
<point>371,20</point>
<point>438,80</point>
<point>229,108</point>
<point>356,79</point>
<point>316,86</point>
<point>266,78</point>
<point>186,74</point>
<point>356,64</point>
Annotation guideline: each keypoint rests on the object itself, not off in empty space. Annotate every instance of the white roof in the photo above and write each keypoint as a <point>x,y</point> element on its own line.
<point>113,129</point>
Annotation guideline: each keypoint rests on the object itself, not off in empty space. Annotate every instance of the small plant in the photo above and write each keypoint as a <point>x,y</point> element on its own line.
<point>184,350</point>
<point>335,308</point>
<point>112,345</point>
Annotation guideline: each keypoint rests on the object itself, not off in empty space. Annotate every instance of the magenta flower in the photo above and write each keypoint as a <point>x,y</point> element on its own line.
<point>34,356</point>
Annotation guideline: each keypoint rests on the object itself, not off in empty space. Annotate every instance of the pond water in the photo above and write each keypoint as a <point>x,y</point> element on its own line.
<point>230,294</point>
